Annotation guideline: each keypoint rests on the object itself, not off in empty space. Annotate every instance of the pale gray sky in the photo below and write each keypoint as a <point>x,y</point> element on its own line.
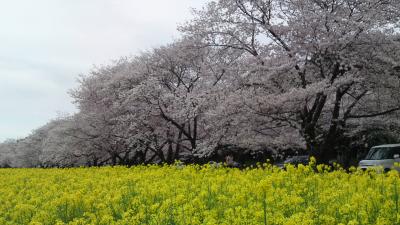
<point>45,44</point>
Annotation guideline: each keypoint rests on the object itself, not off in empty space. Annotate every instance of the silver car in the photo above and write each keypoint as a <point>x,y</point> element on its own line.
<point>384,156</point>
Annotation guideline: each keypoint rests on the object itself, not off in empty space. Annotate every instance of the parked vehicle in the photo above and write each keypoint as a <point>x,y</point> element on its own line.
<point>295,160</point>
<point>384,156</point>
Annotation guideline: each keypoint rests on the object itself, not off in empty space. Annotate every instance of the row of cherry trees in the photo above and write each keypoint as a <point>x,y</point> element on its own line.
<point>261,75</point>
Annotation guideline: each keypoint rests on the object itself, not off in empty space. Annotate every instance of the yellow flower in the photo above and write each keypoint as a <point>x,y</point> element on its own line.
<point>198,195</point>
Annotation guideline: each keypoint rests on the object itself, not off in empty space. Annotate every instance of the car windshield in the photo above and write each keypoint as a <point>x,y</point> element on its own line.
<point>297,159</point>
<point>382,153</point>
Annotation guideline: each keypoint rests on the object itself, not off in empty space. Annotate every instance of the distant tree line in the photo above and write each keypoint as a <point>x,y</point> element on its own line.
<point>249,79</point>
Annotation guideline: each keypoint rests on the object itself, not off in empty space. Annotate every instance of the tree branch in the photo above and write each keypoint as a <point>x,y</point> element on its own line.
<point>374,114</point>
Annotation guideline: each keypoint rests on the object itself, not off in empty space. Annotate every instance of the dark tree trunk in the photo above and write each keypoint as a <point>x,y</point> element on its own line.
<point>114,159</point>
<point>170,158</point>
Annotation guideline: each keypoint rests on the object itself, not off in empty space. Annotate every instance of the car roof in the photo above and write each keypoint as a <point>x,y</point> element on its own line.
<point>298,156</point>
<point>387,146</point>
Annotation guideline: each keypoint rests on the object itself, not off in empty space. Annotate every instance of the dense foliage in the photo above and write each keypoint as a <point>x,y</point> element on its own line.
<point>198,195</point>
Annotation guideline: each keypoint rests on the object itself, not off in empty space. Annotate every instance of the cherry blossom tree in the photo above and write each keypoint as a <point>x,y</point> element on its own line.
<point>8,153</point>
<point>106,121</point>
<point>264,75</point>
<point>315,66</point>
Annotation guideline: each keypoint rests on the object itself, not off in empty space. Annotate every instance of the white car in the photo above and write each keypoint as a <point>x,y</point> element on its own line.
<point>384,156</point>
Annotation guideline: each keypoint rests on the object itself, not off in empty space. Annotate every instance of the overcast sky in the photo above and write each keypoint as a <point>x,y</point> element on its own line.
<point>45,44</point>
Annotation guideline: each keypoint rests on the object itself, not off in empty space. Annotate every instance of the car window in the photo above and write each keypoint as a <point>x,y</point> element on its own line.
<point>396,150</point>
<point>382,153</point>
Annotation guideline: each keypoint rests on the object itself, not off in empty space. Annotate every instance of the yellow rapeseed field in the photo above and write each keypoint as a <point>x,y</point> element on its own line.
<point>198,195</point>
